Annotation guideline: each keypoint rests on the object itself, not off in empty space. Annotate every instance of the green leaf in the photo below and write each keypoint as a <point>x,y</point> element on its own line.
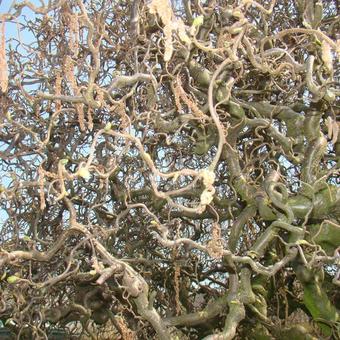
<point>252,254</point>
<point>234,302</point>
<point>303,242</point>
<point>9,116</point>
<point>236,110</point>
<point>64,161</point>
<point>108,127</point>
<point>12,279</point>
<point>198,21</point>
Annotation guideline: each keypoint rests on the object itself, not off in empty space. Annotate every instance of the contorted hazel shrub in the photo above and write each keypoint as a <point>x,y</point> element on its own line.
<point>169,169</point>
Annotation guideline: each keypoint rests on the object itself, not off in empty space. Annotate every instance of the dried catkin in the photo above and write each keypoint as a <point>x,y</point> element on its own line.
<point>180,93</point>
<point>58,81</point>
<point>69,74</point>
<point>3,61</point>
<point>74,34</point>
<point>41,188</point>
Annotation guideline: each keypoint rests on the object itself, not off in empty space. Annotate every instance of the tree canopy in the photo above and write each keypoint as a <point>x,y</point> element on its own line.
<point>170,169</point>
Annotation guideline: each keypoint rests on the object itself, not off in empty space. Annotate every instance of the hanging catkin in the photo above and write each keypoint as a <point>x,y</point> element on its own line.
<point>3,61</point>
